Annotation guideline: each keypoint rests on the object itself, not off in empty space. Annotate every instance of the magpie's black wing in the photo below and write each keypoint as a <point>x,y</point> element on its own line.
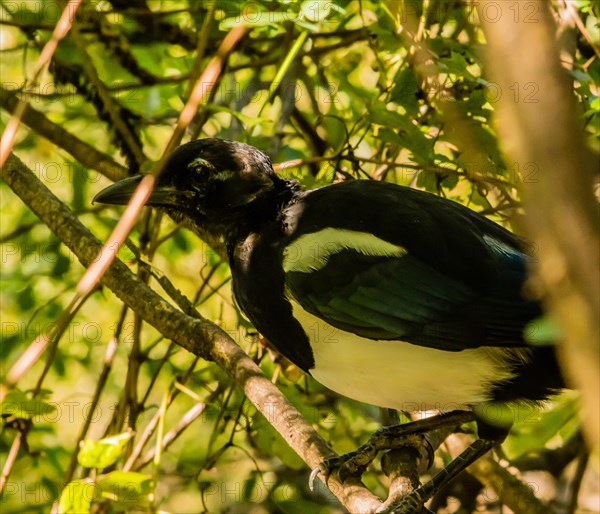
<point>387,262</point>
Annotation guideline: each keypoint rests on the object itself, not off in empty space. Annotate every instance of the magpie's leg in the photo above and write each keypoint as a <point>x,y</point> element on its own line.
<point>415,500</point>
<point>355,463</point>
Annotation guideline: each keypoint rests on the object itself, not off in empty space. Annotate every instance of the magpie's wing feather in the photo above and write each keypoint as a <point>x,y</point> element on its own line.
<point>389,298</point>
<point>456,283</point>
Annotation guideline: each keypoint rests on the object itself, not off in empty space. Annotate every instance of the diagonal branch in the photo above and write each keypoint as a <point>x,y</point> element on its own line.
<point>131,142</point>
<point>83,152</point>
<point>199,336</point>
<point>60,31</point>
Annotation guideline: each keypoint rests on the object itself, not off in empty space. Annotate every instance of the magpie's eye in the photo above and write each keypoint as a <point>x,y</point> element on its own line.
<point>201,166</point>
<point>198,176</point>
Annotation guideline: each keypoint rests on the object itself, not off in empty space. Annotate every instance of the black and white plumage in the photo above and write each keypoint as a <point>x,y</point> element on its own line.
<point>385,294</point>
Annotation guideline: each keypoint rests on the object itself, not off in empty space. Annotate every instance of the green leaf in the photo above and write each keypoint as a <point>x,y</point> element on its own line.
<point>26,298</point>
<point>103,453</point>
<point>76,497</point>
<point>456,65</point>
<point>428,181</point>
<point>382,116</point>
<point>258,16</point>
<point>61,266</point>
<point>248,121</point>
<point>535,428</point>
<point>542,331</point>
<point>18,404</point>
<point>318,10</point>
<point>405,89</point>
<point>79,178</point>
<point>127,489</point>
<point>181,241</point>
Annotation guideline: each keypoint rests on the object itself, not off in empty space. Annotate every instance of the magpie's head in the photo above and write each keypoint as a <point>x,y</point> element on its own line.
<point>222,186</point>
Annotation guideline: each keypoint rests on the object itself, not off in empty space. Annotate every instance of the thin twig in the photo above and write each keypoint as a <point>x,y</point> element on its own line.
<point>109,354</point>
<point>142,193</point>
<point>60,31</point>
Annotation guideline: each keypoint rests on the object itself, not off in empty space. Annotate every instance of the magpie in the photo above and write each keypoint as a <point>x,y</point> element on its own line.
<point>385,294</point>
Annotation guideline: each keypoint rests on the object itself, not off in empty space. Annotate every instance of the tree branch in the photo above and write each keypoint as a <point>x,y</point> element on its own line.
<point>513,493</point>
<point>80,150</point>
<point>199,336</point>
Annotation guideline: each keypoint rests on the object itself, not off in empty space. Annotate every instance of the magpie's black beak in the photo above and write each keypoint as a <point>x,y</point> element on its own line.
<point>120,193</point>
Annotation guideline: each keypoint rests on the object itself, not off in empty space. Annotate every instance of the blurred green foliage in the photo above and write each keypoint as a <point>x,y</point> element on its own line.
<point>393,91</point>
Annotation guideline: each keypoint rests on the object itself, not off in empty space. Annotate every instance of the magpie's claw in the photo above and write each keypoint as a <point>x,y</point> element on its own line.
<point>311,478</point>
<point>354,464</point>
<point>350,465</point>
<point>344,467</point>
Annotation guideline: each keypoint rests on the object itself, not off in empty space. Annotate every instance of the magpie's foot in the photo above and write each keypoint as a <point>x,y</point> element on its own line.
<point>354,464</point>
<point>349,465</point>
